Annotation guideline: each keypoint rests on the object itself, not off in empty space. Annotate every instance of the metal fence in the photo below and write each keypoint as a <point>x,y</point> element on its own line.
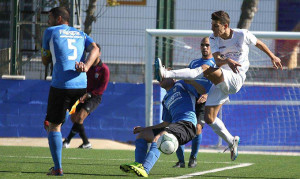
<point>119,26</point>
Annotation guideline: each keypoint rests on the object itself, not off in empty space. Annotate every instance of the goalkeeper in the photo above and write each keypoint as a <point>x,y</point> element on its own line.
<point>179,119</point>
<point>97,80</point>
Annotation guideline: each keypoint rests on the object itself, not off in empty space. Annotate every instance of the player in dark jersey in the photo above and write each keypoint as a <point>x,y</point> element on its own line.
<point>64,46</point>
<point>97,80</point>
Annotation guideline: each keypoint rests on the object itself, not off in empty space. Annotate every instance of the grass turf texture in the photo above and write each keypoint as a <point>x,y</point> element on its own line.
<point>34,162</point>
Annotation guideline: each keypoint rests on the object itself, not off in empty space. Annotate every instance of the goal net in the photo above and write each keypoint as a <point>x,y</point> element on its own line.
<point>265,113</point>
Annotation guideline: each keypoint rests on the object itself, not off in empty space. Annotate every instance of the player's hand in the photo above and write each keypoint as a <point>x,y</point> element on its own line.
<point>202,99</point>
<point>137,129</point>
<point>276,62</point>
<point>233,65</point>
<point>46,125</point>
<point>85,97</point>
<point>80,67</point>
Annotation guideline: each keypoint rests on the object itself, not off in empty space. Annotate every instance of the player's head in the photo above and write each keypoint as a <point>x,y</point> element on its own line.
<point>205,48</point>
<point>167,83</point>
<point>220,22</point>
<point>58,16</point>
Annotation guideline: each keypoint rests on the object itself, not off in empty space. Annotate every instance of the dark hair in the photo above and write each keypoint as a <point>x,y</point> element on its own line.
<point>99,47</point>
<point>221,16</point>
<point>205,38</point>
<point>61,11</point>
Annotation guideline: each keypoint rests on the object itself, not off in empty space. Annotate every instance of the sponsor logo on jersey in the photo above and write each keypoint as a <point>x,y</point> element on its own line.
<point>172,99</point>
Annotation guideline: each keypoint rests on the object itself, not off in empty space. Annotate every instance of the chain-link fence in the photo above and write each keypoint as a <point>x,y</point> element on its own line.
<point>119,27</point>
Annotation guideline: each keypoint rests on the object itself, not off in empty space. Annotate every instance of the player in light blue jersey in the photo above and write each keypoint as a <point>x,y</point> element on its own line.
<point>203,85</point>
<point>179,119</point>
<point>65,47</point>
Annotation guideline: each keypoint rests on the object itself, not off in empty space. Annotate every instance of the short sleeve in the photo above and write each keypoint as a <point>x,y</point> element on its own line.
<point>88,41</point>
<point>250,38</point>
<point>46,39</point>
<point>214,46</point>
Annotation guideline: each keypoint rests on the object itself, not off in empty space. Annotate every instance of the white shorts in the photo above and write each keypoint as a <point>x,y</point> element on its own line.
<point>218,94</point>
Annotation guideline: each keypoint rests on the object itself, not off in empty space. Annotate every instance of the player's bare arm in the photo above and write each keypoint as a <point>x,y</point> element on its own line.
<point>275,60</point>
<point>202,99</point>
<point>221,60</point>
<point>200,89</point>
<point>138,129</point>
<point>46,56</point>
<point>92,56</point>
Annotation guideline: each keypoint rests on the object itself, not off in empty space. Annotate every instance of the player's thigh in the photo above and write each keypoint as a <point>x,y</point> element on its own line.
<point>81,115</point>
<point>215,75</point>
<point>184,131</point>
<point>90,105</point>
<point>211,112</point>
<point>199,129</point>
<point>232,81</point>
<point>147,135</point>
<point>56,109</point>
<point>59,101</point>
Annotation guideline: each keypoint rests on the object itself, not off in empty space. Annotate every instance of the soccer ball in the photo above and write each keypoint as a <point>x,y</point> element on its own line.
<point>167,143</point>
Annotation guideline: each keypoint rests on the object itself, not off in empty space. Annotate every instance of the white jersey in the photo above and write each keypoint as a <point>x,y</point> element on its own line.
<point>236,48</point>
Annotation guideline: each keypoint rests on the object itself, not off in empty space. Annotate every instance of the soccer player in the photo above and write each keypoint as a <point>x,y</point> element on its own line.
<point>208,59</point>
<point>179,119</point>
<point>65,46</point>
<point>230,48</point>
<point>97,80</point>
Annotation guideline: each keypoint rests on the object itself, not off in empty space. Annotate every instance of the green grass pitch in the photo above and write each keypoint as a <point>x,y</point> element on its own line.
<point>34,162</point>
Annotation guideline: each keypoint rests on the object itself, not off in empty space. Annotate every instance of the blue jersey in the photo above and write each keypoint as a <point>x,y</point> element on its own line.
<point>179,104</point>
<point>199,62</point>
<point>67,46</point>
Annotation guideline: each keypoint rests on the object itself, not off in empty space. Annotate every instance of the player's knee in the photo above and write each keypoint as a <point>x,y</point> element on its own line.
<point>199,129</point>
<point>209,120</point>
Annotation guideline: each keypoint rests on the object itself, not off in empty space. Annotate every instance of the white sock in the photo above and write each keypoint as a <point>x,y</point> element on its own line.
<point>185,73</point>
<point>220,129</point>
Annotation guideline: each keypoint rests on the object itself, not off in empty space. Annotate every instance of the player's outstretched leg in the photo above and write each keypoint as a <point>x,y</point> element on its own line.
<point>159,69</point>
<point>134,167</point>
<point>138,169</point>
<point>126,167</point>
<point>234,148</point>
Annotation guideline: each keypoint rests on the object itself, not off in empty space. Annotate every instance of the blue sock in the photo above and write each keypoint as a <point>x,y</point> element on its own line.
<point>55,144</point>
<point>196,145</point>
<point>140,150</point>
<point>151,157</point>
<point>180,153</point>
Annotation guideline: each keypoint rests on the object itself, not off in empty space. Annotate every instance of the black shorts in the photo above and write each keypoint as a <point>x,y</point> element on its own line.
<point>59,100</point>
<point>90,105</point>
<point>200,111</point>
<point>184,131</point>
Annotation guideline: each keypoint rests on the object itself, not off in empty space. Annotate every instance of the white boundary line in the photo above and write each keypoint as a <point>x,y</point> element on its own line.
<point>211,171</point>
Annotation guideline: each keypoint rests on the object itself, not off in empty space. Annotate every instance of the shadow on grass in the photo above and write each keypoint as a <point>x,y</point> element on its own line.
<point>82,174</point>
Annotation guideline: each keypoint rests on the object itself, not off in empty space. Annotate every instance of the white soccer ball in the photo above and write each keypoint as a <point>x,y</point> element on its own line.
<point>167,143</point>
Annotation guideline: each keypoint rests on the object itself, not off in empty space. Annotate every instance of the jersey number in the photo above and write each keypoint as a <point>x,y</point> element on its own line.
<point>72,47</point>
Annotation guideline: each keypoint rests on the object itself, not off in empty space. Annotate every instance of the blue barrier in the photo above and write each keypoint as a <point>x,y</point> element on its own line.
<point>23,106</point>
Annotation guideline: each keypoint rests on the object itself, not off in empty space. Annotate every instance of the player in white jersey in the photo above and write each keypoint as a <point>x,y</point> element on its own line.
<point>230,48</point>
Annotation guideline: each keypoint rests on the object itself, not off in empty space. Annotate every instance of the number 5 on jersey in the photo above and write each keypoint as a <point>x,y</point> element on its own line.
<point>72,47</point>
